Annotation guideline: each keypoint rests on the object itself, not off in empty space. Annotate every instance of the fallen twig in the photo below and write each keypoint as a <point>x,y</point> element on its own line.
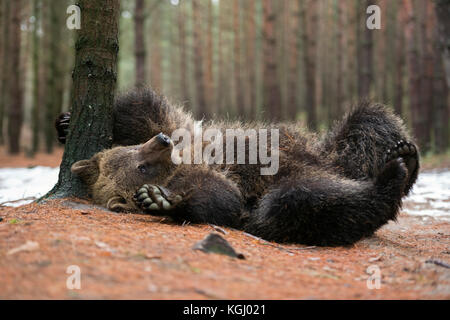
<point>2,204</point>
<point>438,263</point>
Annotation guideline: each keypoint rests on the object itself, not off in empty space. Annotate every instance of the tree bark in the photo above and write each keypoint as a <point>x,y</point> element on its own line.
<point>240,105</point>
<point>441,114</point>
<point>272,91</point>
<point>340,94</point>
<point>55,81</point>
<point>5,48</point>
<point>35,112</point>
<point>294,44</point>
<point>365,52</point>
<point>427,72</point>
<point>139,43</point>
<point>250,59</point>
<point>443,15</point>
<point>15,108</point>
<point>183,56</point>
<point>209,78</point>
<point>94,82</point>
<point>201,110</point>
<point>309,60</point>
<point>399,61</point>
<point>411,31</point>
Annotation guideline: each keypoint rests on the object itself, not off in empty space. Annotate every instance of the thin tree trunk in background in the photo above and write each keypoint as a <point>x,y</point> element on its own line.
<point>2,65</point>
<point>399,61</point>
<point>272,93</point>
<point>294,44</point>
<point>95,76</point>
<point>55,80</point>
<point>441,114</point>
<point>387,24</point>
<point>15,108</point>
<point>209,79</point>
<point>183,57</point>
<point>5,66</point>
<point>240,105</point>
<point>411,31</point>
<point>443,15</point>
<point>155,54</point>
<point>35,123</point>
<point>427,72</point>
<point>340,94</point>
<point>201,110</point>
<point>310,25</point>
<point>250,58</point>
<point>365,49</point>
<point>139,43</point>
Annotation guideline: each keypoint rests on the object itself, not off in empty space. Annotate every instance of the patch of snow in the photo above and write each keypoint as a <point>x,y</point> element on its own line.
<point>430,195</point>
<point>20,183</point>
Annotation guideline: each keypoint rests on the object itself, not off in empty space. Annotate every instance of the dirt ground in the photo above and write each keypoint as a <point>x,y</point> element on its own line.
<point>131,256</point>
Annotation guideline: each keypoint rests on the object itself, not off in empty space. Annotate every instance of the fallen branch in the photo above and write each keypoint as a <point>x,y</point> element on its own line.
<point>2,204</point>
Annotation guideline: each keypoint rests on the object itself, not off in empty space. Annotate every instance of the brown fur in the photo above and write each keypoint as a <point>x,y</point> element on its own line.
<point>329,190</point>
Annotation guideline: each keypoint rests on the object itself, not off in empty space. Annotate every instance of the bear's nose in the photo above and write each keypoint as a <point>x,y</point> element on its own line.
<point>163,139</point>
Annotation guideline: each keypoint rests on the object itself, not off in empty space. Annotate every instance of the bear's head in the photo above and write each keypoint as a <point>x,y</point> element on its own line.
<point>113,176</point>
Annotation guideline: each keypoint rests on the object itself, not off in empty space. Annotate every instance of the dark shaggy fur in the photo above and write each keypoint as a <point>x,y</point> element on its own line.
<point>328,191</point>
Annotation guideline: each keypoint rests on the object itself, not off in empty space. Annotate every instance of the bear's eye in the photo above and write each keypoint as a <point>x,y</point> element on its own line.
<point>142,169</point>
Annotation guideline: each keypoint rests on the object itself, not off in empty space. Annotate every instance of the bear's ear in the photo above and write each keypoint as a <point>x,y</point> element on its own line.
<point>87,170</point>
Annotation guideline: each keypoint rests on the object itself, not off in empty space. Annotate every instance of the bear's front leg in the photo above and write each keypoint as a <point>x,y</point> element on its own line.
<point>154,199</point>
<point>195,194</point>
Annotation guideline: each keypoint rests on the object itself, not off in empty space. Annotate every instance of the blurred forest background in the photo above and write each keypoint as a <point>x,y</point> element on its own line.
<point>304,60</point>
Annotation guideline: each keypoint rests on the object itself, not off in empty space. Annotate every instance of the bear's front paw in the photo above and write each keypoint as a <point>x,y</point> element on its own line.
<point>62,126</point>
<point>152,198</point>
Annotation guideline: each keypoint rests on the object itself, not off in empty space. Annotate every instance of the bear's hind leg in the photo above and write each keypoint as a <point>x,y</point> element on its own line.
<point>328,210</point>
<point>360,143</point>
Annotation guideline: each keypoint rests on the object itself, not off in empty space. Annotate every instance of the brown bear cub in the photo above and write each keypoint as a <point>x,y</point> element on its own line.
<point>328,191</point>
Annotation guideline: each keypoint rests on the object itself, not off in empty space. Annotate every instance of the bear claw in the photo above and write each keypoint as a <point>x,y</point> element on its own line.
<point>152,198</point>
<point>405,150</point>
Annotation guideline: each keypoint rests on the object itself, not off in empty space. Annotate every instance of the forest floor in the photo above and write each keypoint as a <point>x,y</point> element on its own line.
<point>132,256</point>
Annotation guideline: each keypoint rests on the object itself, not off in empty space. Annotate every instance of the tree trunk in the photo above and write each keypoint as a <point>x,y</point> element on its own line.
<point>139,43</point>
<point>399,61</point>
<point>250,59</point>
<point>443,15</point>
<point>272,92</point>
<point>5,48</point>
<point>340,94</point>
<point>94,81</point>
<point>365,52</point>
<point>201,110</point>
<point>35,112</point>
<point>441,114</point>
<point>15,112</point>
<point>294,44</point>
<point>183,56</point>
<point>54,78</point>
<point>240,105</point>
<point>411,31</point>
<point>209,79</point>
<point>309,60</point>
<point>427,72</point>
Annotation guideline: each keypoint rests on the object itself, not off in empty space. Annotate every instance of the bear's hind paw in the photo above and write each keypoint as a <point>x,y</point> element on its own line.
<point>152,198</point>
<point>407,151</point>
